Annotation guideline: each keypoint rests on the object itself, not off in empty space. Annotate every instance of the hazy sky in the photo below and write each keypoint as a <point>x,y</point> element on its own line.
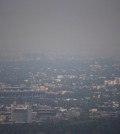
<point>60,26</point>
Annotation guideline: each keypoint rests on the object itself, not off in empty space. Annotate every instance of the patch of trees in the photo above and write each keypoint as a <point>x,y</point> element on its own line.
<point>99,126</point>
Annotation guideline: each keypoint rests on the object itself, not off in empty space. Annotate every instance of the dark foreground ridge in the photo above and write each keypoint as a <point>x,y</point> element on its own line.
<point>99,126</point>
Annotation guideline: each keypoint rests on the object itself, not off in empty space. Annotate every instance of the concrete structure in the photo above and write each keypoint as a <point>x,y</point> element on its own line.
<point>21,115</point>
<point>22,94</point>
<point>43,114</point>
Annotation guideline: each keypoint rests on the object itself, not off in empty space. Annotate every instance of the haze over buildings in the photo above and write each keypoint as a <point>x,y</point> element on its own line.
<point>59,26</point>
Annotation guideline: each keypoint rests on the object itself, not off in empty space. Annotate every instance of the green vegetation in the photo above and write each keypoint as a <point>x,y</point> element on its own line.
<point>100,126</point>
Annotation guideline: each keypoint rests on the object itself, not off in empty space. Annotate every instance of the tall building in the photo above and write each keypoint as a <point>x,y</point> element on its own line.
<point>21,115</point>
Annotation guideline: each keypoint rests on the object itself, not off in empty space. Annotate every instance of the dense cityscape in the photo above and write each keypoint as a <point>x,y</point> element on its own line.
<point>41,89</point>
<point>59,67</point>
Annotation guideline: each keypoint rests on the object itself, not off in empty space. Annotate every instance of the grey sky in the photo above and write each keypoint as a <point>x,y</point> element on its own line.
<point>61,26</point>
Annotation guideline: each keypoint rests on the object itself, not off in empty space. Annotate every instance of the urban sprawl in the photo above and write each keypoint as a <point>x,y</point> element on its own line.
<point>41,89</point>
